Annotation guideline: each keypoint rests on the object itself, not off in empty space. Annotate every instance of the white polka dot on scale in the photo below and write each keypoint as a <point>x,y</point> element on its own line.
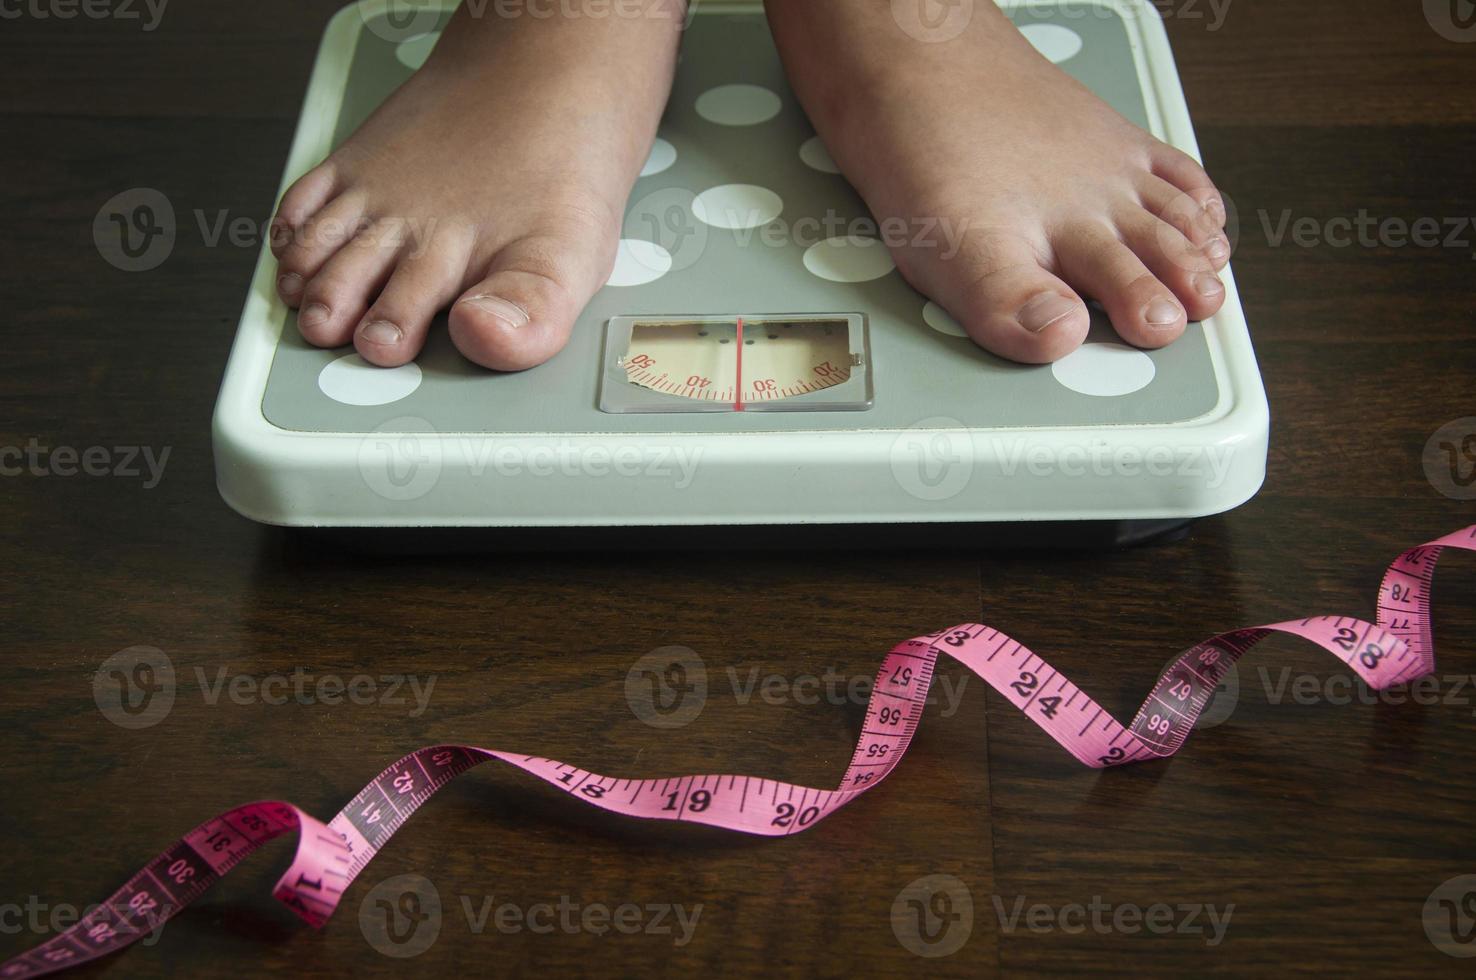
<point>1054,41</point>
<point>849,259</point>
<point>351,380</point>
<point>413,52</point>
<point>638,262</point>
<point>738,105</point>
<point>817,157</point>
<point>940,320</point>
<point>737,206</point>
<point>1105,370</point>
<point>662,156</point>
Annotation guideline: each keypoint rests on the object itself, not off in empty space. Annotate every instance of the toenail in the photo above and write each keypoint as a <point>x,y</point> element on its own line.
<point>314,315</point>
<point>510,313</point>
<point>290,284</point>
<point>1162,313</point>
<point>1044,310</point>
<point>381,333</point>
<point>1218,249</point>
<point>1208,284</point>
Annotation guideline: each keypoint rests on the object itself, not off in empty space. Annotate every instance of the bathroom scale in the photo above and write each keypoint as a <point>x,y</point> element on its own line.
<point>756,366</point>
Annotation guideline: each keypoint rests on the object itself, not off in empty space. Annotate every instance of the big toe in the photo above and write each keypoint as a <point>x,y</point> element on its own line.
<point>523,312</point>
<point>1007,301</point>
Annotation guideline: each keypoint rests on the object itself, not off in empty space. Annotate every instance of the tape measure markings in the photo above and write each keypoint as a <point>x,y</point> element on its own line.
<point>330,856</point>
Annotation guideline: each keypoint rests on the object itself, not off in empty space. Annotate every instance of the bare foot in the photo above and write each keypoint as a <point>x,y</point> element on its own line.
<point>1055,195</point>
<point>495,178</point>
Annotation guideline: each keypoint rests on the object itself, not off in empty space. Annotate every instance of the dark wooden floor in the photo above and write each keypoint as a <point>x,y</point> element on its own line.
<point>1326,826</point>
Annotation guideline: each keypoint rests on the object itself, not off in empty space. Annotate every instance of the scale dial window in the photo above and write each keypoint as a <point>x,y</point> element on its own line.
<point>765,363</point>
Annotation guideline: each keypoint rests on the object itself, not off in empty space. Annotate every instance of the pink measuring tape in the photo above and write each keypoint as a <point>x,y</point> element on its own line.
<point>330,856</point>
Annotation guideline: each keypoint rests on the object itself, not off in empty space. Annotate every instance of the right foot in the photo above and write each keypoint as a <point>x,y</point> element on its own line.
<point>493,181</point>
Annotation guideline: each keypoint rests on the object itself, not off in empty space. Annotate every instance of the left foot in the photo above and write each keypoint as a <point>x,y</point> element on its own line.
<point>1053,195</point>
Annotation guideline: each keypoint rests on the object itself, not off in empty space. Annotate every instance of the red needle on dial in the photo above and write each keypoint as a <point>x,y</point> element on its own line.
<point>738,385</point>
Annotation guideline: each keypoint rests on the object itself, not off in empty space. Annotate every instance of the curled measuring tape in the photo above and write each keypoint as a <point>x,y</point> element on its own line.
<point>331,855</point>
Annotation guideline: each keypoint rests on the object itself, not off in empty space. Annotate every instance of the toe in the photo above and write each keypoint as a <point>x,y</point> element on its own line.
<point>1198,215</point>
<point>394,329</point>
<point>997,289</point>
<point>303,199</point>
<point>521,314</point>
<point>1176,262</point>
<point>1181,170</point>
<point>333,301</point>
<point>318,240</point>
<point>1144,310</point>
<point>1185,174</point>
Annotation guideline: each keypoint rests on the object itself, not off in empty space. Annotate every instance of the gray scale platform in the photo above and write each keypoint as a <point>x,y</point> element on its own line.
<point>1203,391</point>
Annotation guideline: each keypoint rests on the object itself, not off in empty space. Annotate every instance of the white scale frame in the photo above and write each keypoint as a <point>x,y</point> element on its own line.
<point>935,472</point>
